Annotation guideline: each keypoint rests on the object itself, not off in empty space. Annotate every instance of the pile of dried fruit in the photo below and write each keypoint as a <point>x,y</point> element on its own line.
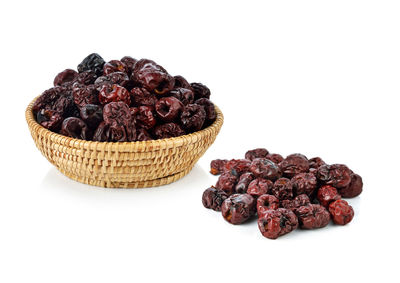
<point>123,100</point>
<point>285,193</point>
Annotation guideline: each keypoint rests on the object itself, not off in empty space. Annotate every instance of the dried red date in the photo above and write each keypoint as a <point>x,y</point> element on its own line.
<point>145,117</point>
<point>193,117</point>
<point>294,164</point>
<point>238,165</point>
<point>266,202</point>
<point>256,153</point>
<point>168,108</point>
<point>92,115</point>
<point>75,128</point>
<point>298,201</point>
<point>129,63</point>
<point>265,168</point>
<point>117,113</point>
<point>141,96</point>
<point>341,212</point>
<point>243,183</point>
<point>213,198</point>
<point>113,93</point>
<point>143,135</point>
<point>227,182</point>
<point>153,77</point>
<point>65,76</point>
<point>276,223</point>
<point>118,78</point>
<point>49,119</point>
<point>200,91</point>
<point>186,96</point>
<point>354,188</point>
<point>217,166</point>
<point>336,175</point>
<point>92,62</point>
<point>312,216</point>
<point>114,66</point>
<point>102,133</point>
<point>316,162</point>
<point>274,157</point>
<point>168,130</point>
<point>282,189</point>
<point>259,187</point>
<point>238,208</point>
<point>304,183</point>
<point>327,194</point>
<point>209,107</point>
<point>182,82</point>
<point>85,95</point>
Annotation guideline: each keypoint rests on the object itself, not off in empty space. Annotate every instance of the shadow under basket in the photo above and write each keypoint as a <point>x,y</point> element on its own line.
<point>123,164</point>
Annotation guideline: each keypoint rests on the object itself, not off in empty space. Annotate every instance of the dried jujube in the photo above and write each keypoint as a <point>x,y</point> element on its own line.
<point>238,208</point>
<point>227,182</point>
<point>327,194</point>
<point>354,188</point>
<point>312,216</point>
<point>336,175</point>
<point>65,76</point>
<point>341,212</point>
<point>259,187</point>
<point>266,202</point>
<point>243,183</point>
<point>193,117</point>
<point>256,153</point>
<point>294,164</point>
<point>276,223</point>
<point>217,166</point>
<point>282,189</point>
<point>93,62</point>
<point>168,130</point>
<point>213,198</point>
<point>265,168</point>
<point>92,115</point>
<point>75,128</point>
<point>168,108</point>
<point>304,183</point>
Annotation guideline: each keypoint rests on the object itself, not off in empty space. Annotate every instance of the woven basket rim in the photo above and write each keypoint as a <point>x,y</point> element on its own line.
<point>136,146</point>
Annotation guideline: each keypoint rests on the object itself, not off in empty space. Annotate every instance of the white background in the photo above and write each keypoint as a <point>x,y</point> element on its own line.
<point>316,77</point>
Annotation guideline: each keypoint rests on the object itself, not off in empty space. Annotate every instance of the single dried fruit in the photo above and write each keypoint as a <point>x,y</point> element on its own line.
<point>238,165</point>
<point>75,128</point>
<point>312,216</point>
<point>92,62</point>
<point>141,96</point>
<point>184,95</point>
<point>259,187</point>
<point>294,164</point>
<point>337,175</point>
<point>256,153</point>
<point>327,194</point>
<point>85,94</point>
<point>282,189</point>
<point>209,107</point>
<point>64,77</point>
<point>113,93</point>
<point>265,168</point>
<point>298,201</point>
<point>266,202</point>
<point>354,188</point>
<point>168,108</point>
<point>217,166</point>
<point>243,183</point>
<point>193,117</point>
<point>341,212</point>
<point>275,157</point>
<point>238,208</point>
<point>213,198</point>
<point>114,66</point>
<point>168,130</point>
<point>276,223</point>
<point>227,182</point>
<point>92,115</point>
<point>304,183</point>
<point>200,91</point>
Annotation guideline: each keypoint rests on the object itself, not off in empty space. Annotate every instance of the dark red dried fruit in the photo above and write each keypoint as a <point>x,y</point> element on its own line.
<point>209,107</point>
<point>102,133</point>
<point>354,188</point>
<point>276,223</point>
<point>118,78</point>
<point>49,119</point>
<point>227,182</point>
<point>298,201</point>
<point>145,117</point>
<point>129,63</point>
<point>266,202</point>
<point>86,78</point>
<point>274,157</point>
<point>141,96</point>
<point>113,93</point>
<point>238,165</point>
<point>213,198</point>
<point>168,108</point>
<point>182,82</point>
<point>168,130</point>
<point>85,95</point>
<point>283,189</point>
<point>341,212</point>
<point>200,91</point>
<point>304,183</point>
<point>75,128</point>
<point>259,187</point>
<point>184,95</point>
<point>114,66</point>
<point>142,135</point>
<point>193,117</point>
<point>238,208</point>
<point>256,153</point>
<point>312,216</point>
<point>336,175</point>
<point>153,77</point>
<point>294,164</point>
<point>217,166</point>
<point>57,98</point>
<point>65,76</point>
<point>118,133</point>
<point>316,162</point>
<point>117,113</point>
<point>243,183</point>
<point>92,115</point>
<point>327,194</point>
<point>92,62</point>
<point>264,168</point>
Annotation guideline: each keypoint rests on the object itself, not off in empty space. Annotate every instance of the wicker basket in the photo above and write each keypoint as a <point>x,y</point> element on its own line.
<point>123,164</point>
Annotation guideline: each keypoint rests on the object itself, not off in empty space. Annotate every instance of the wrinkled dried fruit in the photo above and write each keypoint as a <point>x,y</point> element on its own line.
<point>117,78</point>
<point>141,96</point>
<point>294,164</point>
<point>256,153</point>
<point>217,166</point>
<point>92,115</point>
<point>184,95</point>
<point>336,175</point>
<point>85,95</point>
<point>102,133</point>
<point>264,168</point>
<point>209,107</point>
<point>168,108</point>
<point>243,183</point>
<point>129,64</point>
<point>114,66</point>
<point>213,198</point>
<point>145,117</point>
<point>276,223</point>
<point>113,93</point>
<point>49,119</point>
<point>354,188</point>
<point>168,130</point>
<point>341,212</point>
<point>92,62</point>
<point>266,202</point>
<point>75,128</point>
<point>193,117</point>
<point>143,135</point>
<point>274,157</point>
<point>182,82</point>
<point>238,208</point>
<point>327,194</point>
<point>282,189</point>
<point>304,183</point>
<point>65,76</point>
<point>298,201</point>
<point>259,187</point>
<point>200,91</point>
<point>312,216</point>
<point>238,165</point>
<point>227,182</point>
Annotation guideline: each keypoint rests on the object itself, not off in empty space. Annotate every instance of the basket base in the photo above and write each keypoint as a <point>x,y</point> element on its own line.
<point>128,185</point>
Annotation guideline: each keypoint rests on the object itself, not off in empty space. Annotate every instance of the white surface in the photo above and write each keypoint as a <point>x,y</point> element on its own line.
<point>316,77</point>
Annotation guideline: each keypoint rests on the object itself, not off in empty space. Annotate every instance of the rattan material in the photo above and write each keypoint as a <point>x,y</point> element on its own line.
<point>123,164</point>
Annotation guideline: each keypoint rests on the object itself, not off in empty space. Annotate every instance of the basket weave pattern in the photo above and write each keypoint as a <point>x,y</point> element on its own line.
<point>123,164</point>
